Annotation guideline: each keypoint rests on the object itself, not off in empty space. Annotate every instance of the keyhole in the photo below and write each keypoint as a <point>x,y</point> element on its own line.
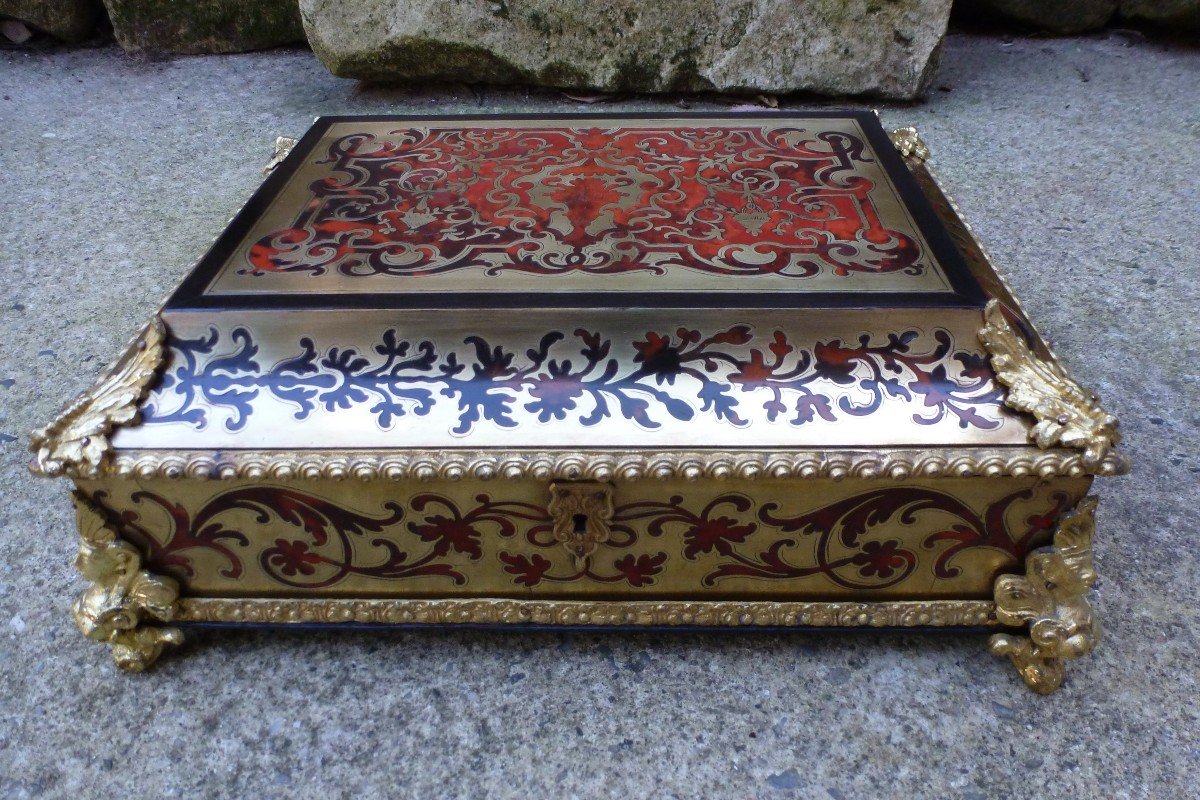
<point>580,523</point>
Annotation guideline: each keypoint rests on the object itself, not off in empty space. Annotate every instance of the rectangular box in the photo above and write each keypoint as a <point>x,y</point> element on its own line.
<point>743,370</point>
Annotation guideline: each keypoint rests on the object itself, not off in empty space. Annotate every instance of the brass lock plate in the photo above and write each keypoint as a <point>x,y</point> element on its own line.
<point>582,513</point>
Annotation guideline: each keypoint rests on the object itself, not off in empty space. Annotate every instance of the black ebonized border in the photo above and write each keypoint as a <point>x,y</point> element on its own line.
<point>967,293</point>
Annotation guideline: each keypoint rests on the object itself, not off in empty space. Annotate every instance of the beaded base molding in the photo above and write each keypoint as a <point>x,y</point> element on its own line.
<point>606,371</point>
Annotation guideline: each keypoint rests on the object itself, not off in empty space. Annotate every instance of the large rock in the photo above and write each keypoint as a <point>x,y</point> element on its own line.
<point>204,26</point>
<point>1056,16</point>
<point>884,48</point>
<point>68,20</point>
<point>1181,13</point>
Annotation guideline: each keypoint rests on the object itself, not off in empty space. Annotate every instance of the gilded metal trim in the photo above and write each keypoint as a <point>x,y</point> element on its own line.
<point>606,465</point>
<point>283,146</point>
<point>122,594</point>
<point>77,441</point>
<point>905,613</point>
<point>1051,599</point>
<point>1067,414</point>
<point>909,143</point>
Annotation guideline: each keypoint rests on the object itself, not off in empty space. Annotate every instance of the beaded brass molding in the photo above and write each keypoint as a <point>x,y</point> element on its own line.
<point>77,441</point>
<point>283,147</point>
<point>909,143</point>
<point>898,614</point>
<point>122,595</point>
<point>607,465</point>
<point>1067,414</point>
<point>1051,599</point>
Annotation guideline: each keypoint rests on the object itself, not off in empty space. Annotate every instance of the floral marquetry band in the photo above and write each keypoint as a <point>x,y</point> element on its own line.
<point>583,537</point>
<point>577,376</point>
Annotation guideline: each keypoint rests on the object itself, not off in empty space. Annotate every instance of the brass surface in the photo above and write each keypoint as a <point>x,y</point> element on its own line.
<point>894,377</point>
<point>122,595</point>
<point>77,441</point>
<point>1067,414</point>
<point>766,539</point>
<point>893,614</point>
<point>1051,600</point>
<point>297,193</point>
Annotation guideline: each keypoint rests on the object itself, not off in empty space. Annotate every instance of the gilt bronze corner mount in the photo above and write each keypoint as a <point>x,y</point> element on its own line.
<point>122,596</point>
<point>1051,600</point>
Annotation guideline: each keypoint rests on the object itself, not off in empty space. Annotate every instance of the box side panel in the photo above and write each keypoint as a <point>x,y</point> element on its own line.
<point>813,540</point>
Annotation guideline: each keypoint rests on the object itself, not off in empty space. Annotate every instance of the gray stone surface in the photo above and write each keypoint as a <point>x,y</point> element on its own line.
<point>834,47</point>
<point>68,20</point>
<point>1177,13</point>
<point>204,26</point>
<point>1077,162</point>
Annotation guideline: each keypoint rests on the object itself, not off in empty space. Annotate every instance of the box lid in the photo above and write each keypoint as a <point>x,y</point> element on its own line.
<point>636,282</point>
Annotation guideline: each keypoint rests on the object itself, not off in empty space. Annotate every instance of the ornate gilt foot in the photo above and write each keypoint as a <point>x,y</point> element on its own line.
<point>1051,598</point>
<point>122,594</point>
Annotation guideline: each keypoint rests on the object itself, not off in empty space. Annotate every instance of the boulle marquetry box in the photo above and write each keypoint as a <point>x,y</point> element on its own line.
<point>669,370</point>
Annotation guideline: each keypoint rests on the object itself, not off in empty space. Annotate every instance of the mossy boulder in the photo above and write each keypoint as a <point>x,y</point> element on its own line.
<point>67,20</point>
<point>1175,13</point>
<point>204,26</point>
<point>880,48</point>
<point>1054,16</point>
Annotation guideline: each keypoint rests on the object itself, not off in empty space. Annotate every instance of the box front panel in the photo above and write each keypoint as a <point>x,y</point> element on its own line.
<point>812,540</point>
<point>265,380</point>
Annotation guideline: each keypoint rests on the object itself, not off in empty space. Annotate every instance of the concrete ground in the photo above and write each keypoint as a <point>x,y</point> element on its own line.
<point>1078,162</point>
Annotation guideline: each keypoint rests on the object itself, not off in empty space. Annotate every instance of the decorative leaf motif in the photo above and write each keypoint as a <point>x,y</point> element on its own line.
<point>674,376</point>
<point>1066,413</point>
<point>1051,599</point>
<point>76,442</point>
<point>122,595</point>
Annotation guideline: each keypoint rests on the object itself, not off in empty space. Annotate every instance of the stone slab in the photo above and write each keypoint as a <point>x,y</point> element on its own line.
<point>1181,14</point>
<point>833,47</point>
<point>204,26</point>
<point>67,20</point>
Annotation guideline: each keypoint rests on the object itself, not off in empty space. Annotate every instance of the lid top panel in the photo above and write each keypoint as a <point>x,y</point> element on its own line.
<point>772,210</point>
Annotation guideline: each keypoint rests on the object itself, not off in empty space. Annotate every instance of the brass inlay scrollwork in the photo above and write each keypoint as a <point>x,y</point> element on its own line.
<point>1066,413</point>
<point>76,442</point>
<point>122,594</point>
<point>1051,599</point>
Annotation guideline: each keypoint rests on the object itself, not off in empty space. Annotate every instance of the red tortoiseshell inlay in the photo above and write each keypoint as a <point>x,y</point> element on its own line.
<point>680,208</point>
